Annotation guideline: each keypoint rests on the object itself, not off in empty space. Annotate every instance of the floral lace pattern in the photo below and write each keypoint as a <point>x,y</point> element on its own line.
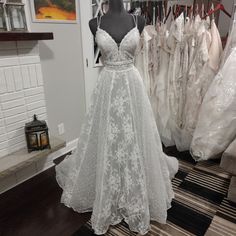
<point>119,170</point>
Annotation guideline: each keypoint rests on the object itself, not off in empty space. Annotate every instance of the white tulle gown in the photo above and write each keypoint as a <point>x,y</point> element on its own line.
<point>119,170</point>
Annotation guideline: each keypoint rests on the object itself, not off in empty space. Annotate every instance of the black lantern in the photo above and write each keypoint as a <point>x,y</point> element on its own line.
<point>37,136</point>
<point>3,25</point>
<point>15,10</point>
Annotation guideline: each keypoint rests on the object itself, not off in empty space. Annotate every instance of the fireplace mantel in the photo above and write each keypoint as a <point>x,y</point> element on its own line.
<point>25,36</point>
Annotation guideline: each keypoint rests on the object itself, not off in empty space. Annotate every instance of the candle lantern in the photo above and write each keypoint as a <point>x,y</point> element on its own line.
<point>16,15</point>
<point>3,25</point>
<point>37,136</point>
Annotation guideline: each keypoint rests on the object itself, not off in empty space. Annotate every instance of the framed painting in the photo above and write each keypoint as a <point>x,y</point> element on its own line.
<point>54,11</point>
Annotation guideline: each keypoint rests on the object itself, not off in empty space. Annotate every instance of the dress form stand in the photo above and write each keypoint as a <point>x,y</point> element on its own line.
<point>117,22</point>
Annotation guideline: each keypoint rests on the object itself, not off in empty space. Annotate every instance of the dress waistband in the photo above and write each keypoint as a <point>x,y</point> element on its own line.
<point>119,65</point>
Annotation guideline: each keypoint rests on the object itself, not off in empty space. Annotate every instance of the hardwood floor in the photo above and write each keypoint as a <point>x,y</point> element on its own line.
<point>34,209</point>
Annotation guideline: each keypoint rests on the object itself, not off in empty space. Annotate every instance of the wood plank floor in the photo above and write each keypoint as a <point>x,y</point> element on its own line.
<point>34,209</point>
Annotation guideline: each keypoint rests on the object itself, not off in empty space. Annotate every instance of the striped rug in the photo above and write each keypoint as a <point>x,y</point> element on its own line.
<point>200,206</point>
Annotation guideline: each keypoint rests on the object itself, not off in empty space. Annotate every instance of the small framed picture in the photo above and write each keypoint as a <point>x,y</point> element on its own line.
<point>54,11</point>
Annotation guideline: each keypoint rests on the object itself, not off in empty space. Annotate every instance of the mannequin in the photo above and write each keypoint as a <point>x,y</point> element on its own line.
<point>117,22</point>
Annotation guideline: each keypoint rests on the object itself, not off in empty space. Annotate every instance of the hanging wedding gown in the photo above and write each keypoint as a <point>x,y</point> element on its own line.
<point>142,60</point>
<point>119,170</point>
<point>215,128</point>
<point>159,100</point>
<point>204,66</point>
<point>175,73</point>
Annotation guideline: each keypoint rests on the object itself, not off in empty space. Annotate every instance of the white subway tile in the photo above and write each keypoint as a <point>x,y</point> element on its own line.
<point>16,140</point>
<point>3,145</point>
<point>33,76</point>
<point>14,61</point>
<point>27,60</point>
<point>15,133</point>
<point>34,98</point>
<point>9,79</point>
<point>38,111</point>
<point>2,130</point>
<point>3,83</point>
<point>18,125</point>
<point>12,104</point>
<point>11,96</point>
<point>3,138</point>
<point>39,75</point>
<point>21,96</point>
<point>35,105</point>
<point>43,117</point>
<point>17,78</point>
<point>2,123</point>
<point>25,76</point>
<point>15,119</point>
<point>17,147</point>
<point>15,111</point>
<point>33,91</point>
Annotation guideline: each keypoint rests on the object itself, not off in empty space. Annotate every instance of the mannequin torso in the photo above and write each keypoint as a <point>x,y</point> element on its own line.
<point>117,22</point>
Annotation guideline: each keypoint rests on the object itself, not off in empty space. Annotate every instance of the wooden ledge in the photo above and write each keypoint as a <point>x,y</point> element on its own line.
<point>25,36</point>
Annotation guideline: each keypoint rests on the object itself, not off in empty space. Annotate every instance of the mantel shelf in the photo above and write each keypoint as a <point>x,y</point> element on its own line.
<point>25,36</point>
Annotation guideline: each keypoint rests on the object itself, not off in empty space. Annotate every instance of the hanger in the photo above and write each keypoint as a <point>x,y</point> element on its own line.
<point>168,14</point>
<point>219,7</point>
<point>178,11</point>
<point>185,11</point>
<point>164,11</point>
<point>190,12</point>
<point>196,10</point>
<point>154,19</point>
<point>203,10</point>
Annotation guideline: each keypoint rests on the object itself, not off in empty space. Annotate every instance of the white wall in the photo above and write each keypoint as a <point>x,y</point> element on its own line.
<point>63,76</point>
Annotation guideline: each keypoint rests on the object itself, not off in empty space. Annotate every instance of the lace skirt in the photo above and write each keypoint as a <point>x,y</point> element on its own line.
<point>119,170</point>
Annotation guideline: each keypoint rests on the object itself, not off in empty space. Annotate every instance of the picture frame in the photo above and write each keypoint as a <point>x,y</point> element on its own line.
<point>59,11</point>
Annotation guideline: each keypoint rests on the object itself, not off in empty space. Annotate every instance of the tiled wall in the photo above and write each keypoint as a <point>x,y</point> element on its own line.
<point>21,92</point>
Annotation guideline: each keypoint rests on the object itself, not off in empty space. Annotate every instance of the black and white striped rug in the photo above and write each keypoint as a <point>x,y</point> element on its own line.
<point>200,206</point>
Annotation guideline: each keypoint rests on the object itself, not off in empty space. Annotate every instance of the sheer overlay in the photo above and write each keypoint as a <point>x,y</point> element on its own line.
<point>119,170</point>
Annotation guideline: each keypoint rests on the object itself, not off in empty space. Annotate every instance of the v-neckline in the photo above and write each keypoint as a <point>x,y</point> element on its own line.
<point>118,45</point>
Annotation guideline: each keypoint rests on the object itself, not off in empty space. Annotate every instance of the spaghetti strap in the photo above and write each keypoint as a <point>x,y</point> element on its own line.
<point>135,19</point>
<point>99,20</point>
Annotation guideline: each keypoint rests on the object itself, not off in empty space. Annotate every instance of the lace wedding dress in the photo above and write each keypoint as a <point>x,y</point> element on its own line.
<point>119,170</point>
<point>216,124</point>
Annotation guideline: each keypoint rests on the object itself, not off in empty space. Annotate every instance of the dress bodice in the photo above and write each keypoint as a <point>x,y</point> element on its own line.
<point>114,54</point>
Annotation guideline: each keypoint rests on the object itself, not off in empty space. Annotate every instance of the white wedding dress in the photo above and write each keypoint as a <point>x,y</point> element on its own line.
<point>119,170</point>
<point>216,124</point>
